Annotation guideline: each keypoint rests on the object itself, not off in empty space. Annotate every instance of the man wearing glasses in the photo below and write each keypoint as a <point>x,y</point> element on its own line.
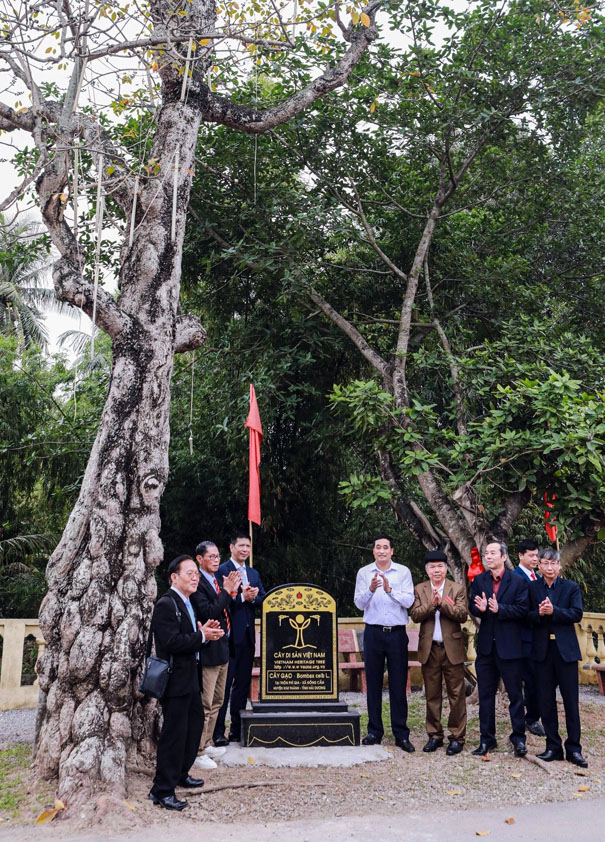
<point>180,636</point>
<point>555,608</point>
<point>212,601</point>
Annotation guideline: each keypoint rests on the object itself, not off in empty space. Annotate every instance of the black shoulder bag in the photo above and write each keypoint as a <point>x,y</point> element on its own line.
<point>157,671</point>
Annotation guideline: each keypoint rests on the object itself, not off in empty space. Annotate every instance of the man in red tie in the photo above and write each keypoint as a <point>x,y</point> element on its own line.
<point>528,563</point>
<point>211,601</point>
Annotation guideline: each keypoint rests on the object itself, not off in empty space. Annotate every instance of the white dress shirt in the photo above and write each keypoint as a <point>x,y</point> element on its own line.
<point>437,633</point>
<point>381,608</point>
<point>531,574</point>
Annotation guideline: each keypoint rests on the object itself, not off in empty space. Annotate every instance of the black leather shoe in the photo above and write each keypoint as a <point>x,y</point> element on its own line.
<point>219,742</point>
<point>432,744</point>
<point>405,745</point>
<point>483,748</point>
<point>191,783</point>
<point>370,740</point>
<point>234,738</point>
<point>454,748</point>
<point>169,802</point>
<point>535,728</point>
<point>550,755</point>
<point>576,758</point>
<point>519,747</point>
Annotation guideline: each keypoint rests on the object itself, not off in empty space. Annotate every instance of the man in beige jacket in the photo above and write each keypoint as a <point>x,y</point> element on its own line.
<point>440,608</point>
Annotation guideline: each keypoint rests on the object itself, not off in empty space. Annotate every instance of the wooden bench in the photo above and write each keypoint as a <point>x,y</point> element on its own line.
<point>351,641</point>
<point>353,665</point>
<point>350,644</point>
<point>412,650</point>
<point>600,670</point>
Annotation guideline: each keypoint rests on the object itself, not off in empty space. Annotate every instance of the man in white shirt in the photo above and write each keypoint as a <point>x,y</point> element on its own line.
<point>528,563</point>
<point>384,591</point>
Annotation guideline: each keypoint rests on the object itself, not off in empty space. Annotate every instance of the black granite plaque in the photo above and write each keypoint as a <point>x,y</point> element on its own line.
<point>298,694</point>
<point>299,653</point>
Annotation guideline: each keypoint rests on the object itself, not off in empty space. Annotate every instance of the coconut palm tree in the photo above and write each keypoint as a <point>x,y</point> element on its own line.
<point>24,261</point>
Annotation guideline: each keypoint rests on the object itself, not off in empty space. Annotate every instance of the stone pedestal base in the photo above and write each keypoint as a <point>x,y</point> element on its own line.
<point>288,725</point>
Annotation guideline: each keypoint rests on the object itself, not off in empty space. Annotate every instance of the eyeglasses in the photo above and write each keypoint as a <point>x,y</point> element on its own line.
<point>212,555</point>
<point>550,563</point>
<point>192,575</point>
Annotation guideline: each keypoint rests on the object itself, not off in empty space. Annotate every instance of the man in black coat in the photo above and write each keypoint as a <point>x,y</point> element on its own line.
<point>212,601</point>
<point>555,608</point>
<point>244,602</point>
<point>501,600</point>
<point>528,562</point>
<point>178,634</point>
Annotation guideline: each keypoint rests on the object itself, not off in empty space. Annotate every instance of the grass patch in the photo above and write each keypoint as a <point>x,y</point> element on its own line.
<point>416,715</point>
<point>14,761</point>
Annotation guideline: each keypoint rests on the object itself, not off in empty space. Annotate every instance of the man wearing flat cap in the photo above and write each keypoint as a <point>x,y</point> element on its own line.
<point>440,608</point>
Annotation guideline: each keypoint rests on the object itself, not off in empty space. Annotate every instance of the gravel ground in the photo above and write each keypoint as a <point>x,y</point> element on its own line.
<point>398,784</point>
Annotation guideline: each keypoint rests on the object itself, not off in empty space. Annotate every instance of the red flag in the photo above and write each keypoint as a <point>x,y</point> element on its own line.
<point>549,525</point>
<point>256,437</point>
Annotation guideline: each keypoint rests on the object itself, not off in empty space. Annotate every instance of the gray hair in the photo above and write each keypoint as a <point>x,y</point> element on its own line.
<point>549,554</point>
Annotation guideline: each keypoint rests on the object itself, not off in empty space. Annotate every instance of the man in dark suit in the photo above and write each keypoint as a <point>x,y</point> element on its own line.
<point>212,601</point>
<point>501,600</point>
<point>555,608</point>
<point>244,601</point>
<point>440,607</point>
<point>528,562</point>
<point>178,635</point>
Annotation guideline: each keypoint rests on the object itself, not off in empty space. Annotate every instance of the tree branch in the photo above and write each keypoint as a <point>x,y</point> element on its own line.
<point>354,335</point>
<point>572,550</point>
<point>189,334</point>
<point>72,287</point>
<point>217,109</point>
<point>513,506</point>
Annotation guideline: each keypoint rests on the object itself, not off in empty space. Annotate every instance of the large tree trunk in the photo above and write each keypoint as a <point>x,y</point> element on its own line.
<point>101,581</point>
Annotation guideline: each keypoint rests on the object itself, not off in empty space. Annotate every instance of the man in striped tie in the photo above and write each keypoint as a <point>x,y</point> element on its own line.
<point>528,562</point>
<point>211,601</point>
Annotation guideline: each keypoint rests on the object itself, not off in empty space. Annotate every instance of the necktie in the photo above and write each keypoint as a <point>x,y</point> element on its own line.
<point>218,590</point>
<point>193,623</point>
<point>533,576</point>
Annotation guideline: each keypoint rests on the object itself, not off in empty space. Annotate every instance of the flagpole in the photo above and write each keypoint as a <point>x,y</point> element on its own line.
<point>251,545</point>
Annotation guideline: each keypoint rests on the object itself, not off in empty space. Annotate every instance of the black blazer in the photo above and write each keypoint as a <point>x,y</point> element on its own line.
<point>176,637</point>
<point>243,613</point>
<point>527,632</point>
<point>208,605</point>
<point>567,610</point>
<point>505,626</point>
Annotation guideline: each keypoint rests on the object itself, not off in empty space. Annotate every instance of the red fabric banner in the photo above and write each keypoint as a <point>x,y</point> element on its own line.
<point>256,437</point>
<point>549,525</point>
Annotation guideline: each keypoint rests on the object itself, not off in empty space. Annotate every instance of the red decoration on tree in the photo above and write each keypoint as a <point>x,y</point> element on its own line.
<point>476,566</point>
<point>549,524</point>
<point>299,595</point>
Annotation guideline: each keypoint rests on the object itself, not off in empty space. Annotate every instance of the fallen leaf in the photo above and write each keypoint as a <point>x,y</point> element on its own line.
<point>46,816</point>
<point>582,773</point>
<point>516,775</point>
<point>453,792</point>
<point>583,789</point>
<point>482,832</point>
<point>597,780</point>
<point>578,794</point>
<point>486,758</point>
<point>59,805</point>
<point>509,821</point>
<point>128,804</point>
<point>251,760</point>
